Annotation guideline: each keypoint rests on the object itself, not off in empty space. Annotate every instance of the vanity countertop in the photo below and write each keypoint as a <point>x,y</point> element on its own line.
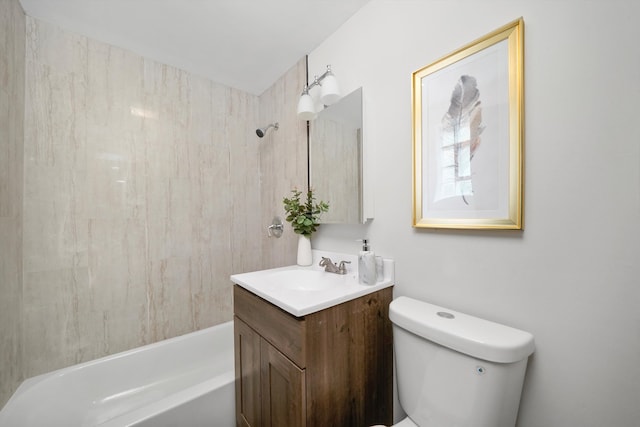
<point>305,290</point>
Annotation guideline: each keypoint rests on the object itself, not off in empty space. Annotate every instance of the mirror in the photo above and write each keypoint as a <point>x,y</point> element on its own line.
<point>335,159</point>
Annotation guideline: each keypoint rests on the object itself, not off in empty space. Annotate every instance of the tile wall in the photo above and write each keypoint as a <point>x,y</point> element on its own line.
<point>145,188</point>
<point>283,160</point>
<point>12,67</point>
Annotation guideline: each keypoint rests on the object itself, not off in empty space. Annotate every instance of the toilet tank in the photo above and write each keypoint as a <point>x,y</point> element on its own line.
<point>457,370</point>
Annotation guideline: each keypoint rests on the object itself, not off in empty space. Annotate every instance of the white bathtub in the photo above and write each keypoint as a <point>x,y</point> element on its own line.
<point>187,381</point>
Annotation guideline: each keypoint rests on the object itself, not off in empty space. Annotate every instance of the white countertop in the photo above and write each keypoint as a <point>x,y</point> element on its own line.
<point>305,290</point>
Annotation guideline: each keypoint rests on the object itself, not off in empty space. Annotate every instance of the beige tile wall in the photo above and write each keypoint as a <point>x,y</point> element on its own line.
<point>12,66</point>
<point>146,187</point>
<point>283,160</point>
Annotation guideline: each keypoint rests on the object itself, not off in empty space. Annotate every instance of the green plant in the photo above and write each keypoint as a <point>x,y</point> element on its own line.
<point>304,216</point>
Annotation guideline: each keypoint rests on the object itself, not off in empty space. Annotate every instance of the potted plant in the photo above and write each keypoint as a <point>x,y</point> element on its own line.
<point>304,217</point>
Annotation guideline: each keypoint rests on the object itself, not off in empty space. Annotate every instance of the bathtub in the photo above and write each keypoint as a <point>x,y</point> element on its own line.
<point>187,381</point>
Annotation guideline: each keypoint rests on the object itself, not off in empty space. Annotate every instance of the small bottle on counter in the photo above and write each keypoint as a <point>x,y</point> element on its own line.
<point>367,274</point>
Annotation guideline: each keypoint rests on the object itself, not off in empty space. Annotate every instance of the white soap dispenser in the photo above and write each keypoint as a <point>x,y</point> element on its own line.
<point>367,265</point>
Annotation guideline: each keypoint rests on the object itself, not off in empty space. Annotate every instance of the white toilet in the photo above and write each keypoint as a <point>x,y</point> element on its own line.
<point>454,369</point>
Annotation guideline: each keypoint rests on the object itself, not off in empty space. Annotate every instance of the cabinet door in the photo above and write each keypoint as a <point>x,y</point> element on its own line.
<point>283,390</point>
<point>247,361</point>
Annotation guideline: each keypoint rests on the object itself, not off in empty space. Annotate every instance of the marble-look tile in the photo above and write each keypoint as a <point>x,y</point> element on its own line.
<point>68,321</point>
<point>55,107</point>
<point>115,144</point>
<point>12,45</point>
<point>132,195</point>
<point>12,75</point>
<point>53,328</point>
<point>117,264</point>
<point>11,361</point>
<point>55,154</point>
<point>247,224</point>
<point>146,188</point>
<point>283,160</point>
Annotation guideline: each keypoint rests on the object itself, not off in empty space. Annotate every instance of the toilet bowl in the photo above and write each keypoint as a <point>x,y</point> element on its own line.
<point>456,369</point>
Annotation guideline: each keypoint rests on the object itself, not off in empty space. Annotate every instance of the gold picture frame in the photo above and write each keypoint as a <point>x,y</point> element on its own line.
<point>468,135</point>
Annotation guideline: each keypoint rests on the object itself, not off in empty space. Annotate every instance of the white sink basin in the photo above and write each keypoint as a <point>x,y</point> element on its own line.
<point>302,280</point>
<point>304,290</point>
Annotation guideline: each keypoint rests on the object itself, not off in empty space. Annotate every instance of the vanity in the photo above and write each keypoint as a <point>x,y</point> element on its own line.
<point>312,348</point>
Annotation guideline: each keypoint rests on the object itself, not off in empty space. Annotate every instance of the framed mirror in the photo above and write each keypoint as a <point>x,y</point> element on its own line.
<point>335,159</point>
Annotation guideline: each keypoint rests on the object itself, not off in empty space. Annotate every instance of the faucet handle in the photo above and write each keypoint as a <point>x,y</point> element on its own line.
<point>325,261</point>
<point>342,268</point>
<point>276,228</point>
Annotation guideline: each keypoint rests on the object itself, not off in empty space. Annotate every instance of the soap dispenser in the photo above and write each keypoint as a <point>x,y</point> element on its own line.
<point>367,265</point>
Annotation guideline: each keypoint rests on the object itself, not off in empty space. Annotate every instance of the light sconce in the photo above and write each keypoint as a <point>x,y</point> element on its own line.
<point>329,93</point>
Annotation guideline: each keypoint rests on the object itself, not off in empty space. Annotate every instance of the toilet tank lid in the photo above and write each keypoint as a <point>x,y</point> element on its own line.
<point>466,334</point>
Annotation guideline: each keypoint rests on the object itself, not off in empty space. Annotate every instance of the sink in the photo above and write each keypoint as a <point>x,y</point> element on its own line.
<point>298,280</point>
<point>304,290</point>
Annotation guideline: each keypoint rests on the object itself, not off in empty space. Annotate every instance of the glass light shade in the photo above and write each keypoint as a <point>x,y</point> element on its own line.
<point>306,109</point>
<point>330,92</point>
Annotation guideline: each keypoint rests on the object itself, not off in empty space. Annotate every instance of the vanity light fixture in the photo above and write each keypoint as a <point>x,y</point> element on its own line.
<point>329,93</point>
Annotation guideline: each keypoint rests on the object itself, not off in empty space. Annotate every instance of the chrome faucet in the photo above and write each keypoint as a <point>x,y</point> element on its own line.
<point>330,267</point>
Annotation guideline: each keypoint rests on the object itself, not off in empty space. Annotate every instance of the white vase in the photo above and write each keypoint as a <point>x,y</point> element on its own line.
<point>304,251</point>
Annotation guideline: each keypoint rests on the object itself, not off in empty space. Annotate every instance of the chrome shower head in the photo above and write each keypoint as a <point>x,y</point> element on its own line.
<point>263,131</point>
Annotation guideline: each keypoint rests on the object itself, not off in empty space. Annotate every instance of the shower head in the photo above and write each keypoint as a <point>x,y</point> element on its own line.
<point>263,131</point>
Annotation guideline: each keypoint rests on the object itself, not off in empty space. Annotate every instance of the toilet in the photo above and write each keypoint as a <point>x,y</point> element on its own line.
<point>454,369</point>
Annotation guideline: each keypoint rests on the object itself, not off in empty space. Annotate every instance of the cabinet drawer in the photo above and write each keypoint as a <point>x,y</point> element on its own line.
<point>282,330</point>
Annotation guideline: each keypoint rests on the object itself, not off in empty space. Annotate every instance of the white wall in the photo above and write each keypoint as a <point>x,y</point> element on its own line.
<point>572,277</point>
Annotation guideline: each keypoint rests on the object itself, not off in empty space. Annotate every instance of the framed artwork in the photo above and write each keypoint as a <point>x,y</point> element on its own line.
<point>468,135</point>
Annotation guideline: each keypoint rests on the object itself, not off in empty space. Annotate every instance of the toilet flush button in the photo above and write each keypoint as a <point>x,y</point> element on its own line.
<point>445,315</point>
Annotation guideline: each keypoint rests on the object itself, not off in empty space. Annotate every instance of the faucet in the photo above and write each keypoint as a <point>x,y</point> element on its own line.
<point>330,267</point>
<point>342,269</point>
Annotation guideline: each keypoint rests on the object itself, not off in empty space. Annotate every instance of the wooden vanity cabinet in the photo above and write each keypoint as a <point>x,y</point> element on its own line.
<point>329,368</point>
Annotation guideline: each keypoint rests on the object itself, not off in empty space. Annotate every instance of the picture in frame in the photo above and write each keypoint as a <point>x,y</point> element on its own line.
<point>468,135</point>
